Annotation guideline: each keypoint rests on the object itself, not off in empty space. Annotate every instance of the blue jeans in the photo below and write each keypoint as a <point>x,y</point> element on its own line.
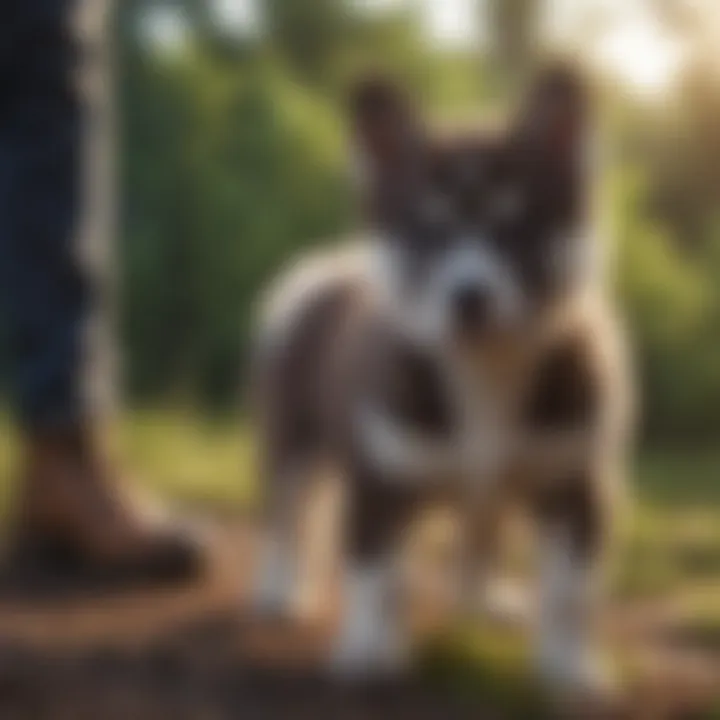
<point>44,294</point>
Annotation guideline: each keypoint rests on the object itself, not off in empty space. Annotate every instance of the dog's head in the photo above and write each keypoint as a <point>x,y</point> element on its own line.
<point>479,234</point>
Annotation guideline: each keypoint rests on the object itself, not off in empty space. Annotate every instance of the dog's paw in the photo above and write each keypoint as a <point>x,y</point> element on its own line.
<point>574,677</point>
<point>376,654</point>
<point>372,638</point>
<point>273,585</point>
<point>268,602</point>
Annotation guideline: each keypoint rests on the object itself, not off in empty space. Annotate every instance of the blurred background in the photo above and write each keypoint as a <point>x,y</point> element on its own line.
<point>233,159</point>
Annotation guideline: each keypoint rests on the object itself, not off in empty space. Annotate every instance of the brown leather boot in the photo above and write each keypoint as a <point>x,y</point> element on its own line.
<point>73,518</point>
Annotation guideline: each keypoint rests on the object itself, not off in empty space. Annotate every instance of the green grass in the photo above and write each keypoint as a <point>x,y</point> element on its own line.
<point>194,462</point>
<point>181,458</point>
<point>489,663</point>
<point>673,534</point>
<point>673,537</point>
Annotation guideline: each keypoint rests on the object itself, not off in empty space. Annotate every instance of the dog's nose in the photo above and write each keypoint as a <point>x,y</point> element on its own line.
<point>471,306</point>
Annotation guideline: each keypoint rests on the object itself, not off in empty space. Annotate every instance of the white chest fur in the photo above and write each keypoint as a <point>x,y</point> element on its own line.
<point>490,438</point>
<point>483,444</point>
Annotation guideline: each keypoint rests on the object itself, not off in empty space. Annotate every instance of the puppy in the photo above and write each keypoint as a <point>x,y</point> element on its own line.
<point>464,344</point>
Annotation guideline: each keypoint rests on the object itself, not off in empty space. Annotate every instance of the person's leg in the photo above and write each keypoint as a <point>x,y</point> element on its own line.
<point>44,294</point>
<point>68,498</point>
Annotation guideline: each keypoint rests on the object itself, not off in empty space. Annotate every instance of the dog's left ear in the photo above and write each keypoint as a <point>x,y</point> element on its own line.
<point>387,130</point>
<point>553,124</point>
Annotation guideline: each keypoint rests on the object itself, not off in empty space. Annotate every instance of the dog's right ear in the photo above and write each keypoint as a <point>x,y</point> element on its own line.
<point>387,132</point>
<point>554,124</point>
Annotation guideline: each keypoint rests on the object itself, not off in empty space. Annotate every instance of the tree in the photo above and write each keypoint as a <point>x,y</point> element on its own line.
<point>514,29</point>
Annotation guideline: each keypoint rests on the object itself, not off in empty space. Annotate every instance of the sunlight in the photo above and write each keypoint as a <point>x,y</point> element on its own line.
<point>451,22</point>
<point>164,28</point>
<point>240,16</point>
<point>638,53</point>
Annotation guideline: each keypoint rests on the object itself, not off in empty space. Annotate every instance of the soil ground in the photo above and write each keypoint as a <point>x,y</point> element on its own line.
<point>190,653</point>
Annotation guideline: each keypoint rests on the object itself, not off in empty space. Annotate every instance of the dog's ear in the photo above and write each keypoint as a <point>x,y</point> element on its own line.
<point>553,124</point>
<point>387,131</point>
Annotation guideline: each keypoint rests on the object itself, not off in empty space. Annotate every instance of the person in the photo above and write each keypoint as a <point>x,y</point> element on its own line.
<point>55,221</point>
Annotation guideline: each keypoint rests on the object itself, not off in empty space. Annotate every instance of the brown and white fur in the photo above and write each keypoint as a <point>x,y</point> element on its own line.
<point>464,346</point>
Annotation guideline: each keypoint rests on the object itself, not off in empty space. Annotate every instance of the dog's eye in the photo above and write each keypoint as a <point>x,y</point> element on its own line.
<point>436,210</point>
<point>507,204</point>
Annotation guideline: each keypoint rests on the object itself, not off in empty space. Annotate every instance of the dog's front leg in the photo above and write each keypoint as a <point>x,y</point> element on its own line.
<point>484,499</point>
<point>372,635</point>
<point>573,529</point>
<point>478,539</point>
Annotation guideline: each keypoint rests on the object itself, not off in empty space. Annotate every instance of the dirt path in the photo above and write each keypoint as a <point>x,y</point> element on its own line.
<point>187,653</point>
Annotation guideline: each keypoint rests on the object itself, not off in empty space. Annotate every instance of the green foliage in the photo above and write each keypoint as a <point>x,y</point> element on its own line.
<point>672,304</point>
<point>228,170</point>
